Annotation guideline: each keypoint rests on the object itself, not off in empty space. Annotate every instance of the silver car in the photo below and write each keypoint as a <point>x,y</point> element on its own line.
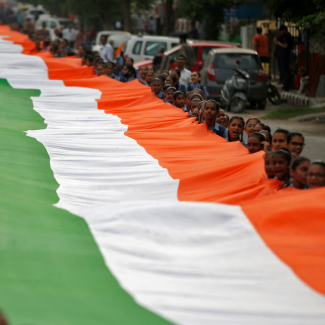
<point>218,67</point>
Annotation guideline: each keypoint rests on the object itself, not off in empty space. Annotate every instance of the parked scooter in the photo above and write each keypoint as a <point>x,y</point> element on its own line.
<point>235,91</point>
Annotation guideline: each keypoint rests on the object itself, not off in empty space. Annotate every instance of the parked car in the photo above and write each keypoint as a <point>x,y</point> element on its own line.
<point>219,66</point>
<point>118,37</point>
<point>147,47</point>
<point>36,12</point>
<point>52,23</point>
<point>201,50</point>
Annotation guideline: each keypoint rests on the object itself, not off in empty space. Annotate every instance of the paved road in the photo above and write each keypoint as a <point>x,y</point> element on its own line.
<point>314,132</point>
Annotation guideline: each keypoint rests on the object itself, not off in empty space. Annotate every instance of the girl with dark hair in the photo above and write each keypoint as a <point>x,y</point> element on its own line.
<point>249,127</point>
<point>177,73</point>
<point>109,68</point>
<point>172,80</point>
<point>165,87</point>
<point>261,126</point>
<point>281,161</point>
<point>299,172</point>
<point>279,139</point>
<point>149,78</point>
<point>188,100</point>
<point>235,129</point>
<point>316,174</point>
<point>128,72</point>
<point>268,165</point>
<point>101,69</point>
<point>196,83</point>
<point>156,87</point>
<point>257,142</point>
<point>169,95</point>
<point>296,142</point>
<point>179,100</point>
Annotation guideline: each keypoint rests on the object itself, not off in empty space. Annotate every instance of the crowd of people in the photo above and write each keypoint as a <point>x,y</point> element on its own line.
<point>182,88</point>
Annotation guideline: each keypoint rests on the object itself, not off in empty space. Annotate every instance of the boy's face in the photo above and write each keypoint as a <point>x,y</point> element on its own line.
<point>179,101</point>
<point>156,87</point>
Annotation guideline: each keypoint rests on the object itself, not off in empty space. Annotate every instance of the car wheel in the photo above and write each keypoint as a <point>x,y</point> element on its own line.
<point>237,105</point>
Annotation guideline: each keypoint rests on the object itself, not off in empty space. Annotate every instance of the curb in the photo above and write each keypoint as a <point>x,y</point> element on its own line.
<point>297,100</point>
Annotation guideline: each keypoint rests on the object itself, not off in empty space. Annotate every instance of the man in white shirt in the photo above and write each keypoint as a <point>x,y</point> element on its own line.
<point>107,51</point>
<point>70,35</point>
<point>185,78</point>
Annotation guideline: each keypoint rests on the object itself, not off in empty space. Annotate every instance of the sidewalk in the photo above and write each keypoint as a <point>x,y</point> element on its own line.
<point>294,98</point>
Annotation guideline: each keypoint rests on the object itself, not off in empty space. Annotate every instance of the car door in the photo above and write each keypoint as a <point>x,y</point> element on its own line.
<point>136,50</point>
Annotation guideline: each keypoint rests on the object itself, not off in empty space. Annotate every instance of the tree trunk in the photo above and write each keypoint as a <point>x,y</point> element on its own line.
<point>127,15</point>
<point>169,18</point>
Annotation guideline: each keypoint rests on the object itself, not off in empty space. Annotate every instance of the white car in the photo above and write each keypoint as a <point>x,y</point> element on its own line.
<point>118,37</point>
<point>52,23</point>
<point>147,47</point>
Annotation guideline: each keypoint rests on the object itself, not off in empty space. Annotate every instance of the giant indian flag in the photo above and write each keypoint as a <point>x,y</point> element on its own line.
<point>116,208</point>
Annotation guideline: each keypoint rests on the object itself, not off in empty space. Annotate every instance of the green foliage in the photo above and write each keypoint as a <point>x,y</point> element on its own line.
<point>208,12</point>
<point>315,23</point>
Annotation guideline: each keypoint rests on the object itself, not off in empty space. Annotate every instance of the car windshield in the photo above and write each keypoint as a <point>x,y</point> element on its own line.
<point>235,60</point>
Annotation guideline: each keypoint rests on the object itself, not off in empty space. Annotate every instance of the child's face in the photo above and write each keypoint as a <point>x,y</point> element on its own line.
<point>210,112</point>
<point>195,78</point>
<point>169,95</point>
<point>299,175</point>
<point>174,73</point>
<point>249,128</point>
<point>280,167</point>
<point>156,87</point>
<point>235,129</point>
<point>254,145</point>
<point>268,166</point>
<point>149,77</point>
<point>100,70</point>
<point>194,105</point>
<point>296,145</point>
<point>125,71</point>
<point>279,141</point>
<point>142,72</point>
<point>188,101</point>
<point>169,81</point>
<point>196,96</point>
<point>150,68</point>
<point>222,118</point>
<point>109,70</point>
<point>179,101</point>
<point>316,176</point>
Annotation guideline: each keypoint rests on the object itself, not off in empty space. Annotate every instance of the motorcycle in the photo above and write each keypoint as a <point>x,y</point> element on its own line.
<point>272,93</point>
<point>234,92</point>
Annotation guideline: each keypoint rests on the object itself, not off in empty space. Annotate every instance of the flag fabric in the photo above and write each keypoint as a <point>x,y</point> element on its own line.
<point>117,208</point>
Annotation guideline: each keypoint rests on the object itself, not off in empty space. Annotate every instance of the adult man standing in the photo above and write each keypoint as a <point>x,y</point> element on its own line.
<point>185,78</point>
<point>70,35</point>
<point>107,51</point>
<point>285,54</point>
<point>261,45</point>
<point>187,51</point>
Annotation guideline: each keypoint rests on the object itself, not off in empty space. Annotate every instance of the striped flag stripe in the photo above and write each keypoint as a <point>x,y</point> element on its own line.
<point>193,263</point>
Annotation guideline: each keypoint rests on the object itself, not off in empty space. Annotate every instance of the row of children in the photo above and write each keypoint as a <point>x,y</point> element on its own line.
<point>282,150</point>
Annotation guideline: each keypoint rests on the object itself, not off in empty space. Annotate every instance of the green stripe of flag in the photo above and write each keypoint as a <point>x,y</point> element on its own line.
<point>51,271</point>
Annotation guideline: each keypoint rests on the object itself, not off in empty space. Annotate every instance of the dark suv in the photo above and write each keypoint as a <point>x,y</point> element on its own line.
<point>218,67</point>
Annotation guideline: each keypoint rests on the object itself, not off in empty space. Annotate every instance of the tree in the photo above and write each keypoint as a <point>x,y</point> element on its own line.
<point>209,12</point>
